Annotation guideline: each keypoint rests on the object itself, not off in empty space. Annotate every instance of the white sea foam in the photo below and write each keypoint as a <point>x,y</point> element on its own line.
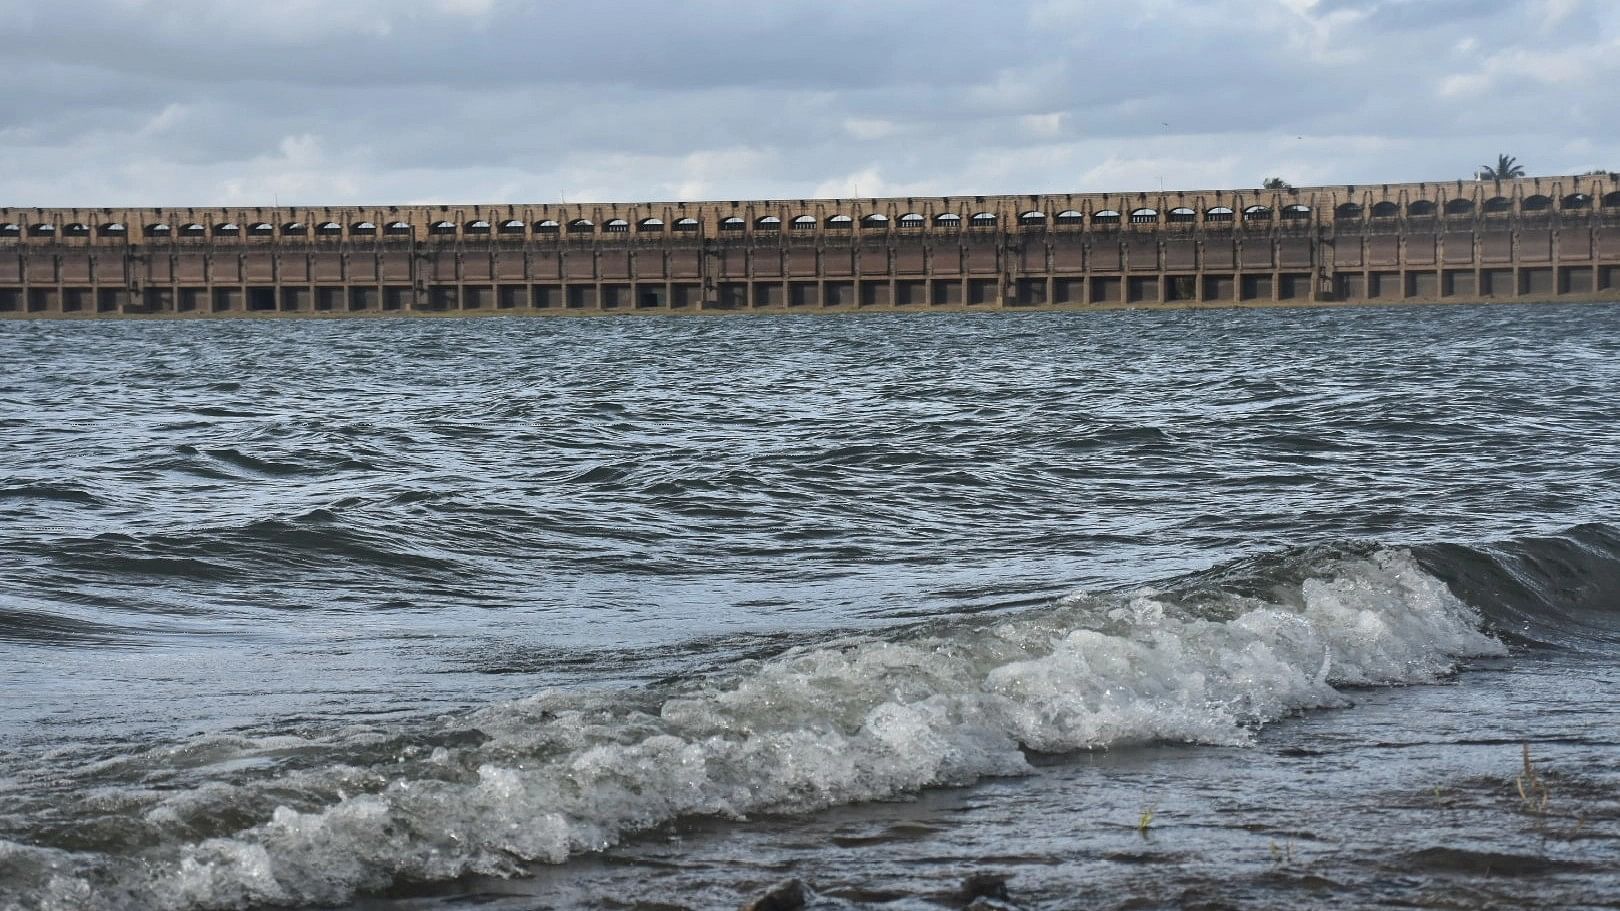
<point>858,719</point>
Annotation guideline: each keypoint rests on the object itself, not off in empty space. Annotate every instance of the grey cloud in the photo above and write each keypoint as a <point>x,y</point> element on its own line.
<point>125,101</point>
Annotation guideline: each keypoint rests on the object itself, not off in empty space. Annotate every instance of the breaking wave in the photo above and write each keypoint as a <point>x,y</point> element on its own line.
<point>245,821</point>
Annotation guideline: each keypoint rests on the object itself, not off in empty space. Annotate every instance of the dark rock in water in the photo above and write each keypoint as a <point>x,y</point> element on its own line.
<point>1485,863</point>
<point>985,885</point>
<point>787,895</point>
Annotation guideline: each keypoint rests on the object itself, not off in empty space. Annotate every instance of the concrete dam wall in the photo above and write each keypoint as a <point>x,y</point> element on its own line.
<point>1526,239</point>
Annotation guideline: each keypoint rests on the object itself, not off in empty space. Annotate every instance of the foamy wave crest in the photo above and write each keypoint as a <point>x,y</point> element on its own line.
<point>539,780</point>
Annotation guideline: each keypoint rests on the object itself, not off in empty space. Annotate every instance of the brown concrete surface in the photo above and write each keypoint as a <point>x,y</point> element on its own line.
<point>1530,239</point>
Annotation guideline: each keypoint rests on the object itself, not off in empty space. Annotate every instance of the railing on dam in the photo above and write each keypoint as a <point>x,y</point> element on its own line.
<point>1534,237</point>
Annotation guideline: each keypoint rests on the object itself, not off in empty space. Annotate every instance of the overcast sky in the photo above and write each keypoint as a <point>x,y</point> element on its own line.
<point>129,102</point>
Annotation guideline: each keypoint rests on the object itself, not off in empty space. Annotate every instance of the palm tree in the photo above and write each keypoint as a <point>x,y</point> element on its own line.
<point>1276,183</point>
<point>1506,167</point>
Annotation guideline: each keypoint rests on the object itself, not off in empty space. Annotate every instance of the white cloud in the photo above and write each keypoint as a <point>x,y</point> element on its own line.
<point>711,173</point>
<point>1043,124</point>
<point>1519,69</point>
<point>466,7</point>
<point>865,128</point>
<point>865,182</point>
<point>1463,85</point>
<point>172,116</point>
<point>1018,89</point>
<point>1555,12</point>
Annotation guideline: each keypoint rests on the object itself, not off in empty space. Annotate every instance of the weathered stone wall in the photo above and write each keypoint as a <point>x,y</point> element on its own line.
<point>1534,238</point>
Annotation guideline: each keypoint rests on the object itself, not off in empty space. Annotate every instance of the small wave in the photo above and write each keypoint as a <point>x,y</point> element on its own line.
<point>321,540</point>
<point>1109,436</point>
<point>117,565</point>
<point>314,540</point>
<point>43,628</point>
<point>872,455</point>
<point>603,474</point>
<point>1207,660</point>
<point>412,497</point>
<point>61,493</point>
<point>219,411</point>
<point>1561,589</point>
<point>242,460</point>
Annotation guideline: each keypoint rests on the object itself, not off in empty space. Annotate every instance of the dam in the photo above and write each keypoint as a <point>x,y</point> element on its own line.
<point>1527,239</point>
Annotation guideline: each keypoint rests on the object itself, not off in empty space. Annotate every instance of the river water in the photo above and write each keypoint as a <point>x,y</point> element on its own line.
<point>1218,609</point>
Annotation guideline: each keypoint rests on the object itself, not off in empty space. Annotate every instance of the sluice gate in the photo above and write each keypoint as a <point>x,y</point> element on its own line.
<point>1529,238</point>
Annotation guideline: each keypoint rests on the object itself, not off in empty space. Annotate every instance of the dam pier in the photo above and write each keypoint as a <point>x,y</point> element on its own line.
<point>1530,239</point>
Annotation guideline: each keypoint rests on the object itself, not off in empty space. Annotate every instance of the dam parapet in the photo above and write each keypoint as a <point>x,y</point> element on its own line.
<point>1530,238</point>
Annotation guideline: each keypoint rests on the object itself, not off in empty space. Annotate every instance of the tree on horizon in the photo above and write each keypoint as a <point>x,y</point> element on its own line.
<point>1506,167</point>
<point>1276,183</point>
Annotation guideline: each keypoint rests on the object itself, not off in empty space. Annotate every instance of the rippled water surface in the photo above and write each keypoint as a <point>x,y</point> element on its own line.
<point>519,613</point>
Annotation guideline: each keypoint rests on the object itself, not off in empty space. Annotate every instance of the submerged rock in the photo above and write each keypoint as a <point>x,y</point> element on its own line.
<point>991,886</point>
<point>787,895</point>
